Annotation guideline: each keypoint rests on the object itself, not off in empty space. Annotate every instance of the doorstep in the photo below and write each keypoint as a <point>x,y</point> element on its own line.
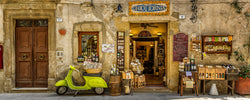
<point>153,90</point>
<point>29,90</point>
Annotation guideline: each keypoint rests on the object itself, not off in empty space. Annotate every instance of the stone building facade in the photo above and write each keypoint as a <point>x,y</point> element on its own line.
<point>214,17</point>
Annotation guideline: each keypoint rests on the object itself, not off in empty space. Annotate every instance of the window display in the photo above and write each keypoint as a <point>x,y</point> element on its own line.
<point>88,47</point>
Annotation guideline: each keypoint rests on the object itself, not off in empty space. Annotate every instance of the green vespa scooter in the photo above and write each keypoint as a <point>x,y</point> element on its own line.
<point>98,83</point>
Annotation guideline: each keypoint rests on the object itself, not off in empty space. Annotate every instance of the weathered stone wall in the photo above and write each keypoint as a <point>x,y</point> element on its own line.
<point>1,43</point>
<point>215,18</point>
<point>73,14</point>
<point>1,25</point>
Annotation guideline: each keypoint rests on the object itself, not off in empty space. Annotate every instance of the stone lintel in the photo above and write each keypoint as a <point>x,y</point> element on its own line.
<point>27,1</point>
<point>30,6</point>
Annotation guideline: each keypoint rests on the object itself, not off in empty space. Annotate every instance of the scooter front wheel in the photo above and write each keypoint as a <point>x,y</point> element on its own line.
<point>99,90</point>
<point>61,90</point>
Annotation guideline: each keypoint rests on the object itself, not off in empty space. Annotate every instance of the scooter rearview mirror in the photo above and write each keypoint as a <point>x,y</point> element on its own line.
<point>77,70</point>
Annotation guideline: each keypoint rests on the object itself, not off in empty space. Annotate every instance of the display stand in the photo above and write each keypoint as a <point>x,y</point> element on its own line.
<point>120,50</point>
<point>182,85</point>
<point>217,44</point>
<point>230,85</point>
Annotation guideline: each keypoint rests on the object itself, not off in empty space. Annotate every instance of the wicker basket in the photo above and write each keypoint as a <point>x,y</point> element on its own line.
<point>93,70</point>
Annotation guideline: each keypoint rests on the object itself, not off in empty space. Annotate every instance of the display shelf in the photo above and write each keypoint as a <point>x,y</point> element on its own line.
<point>196,45</point>
<point>218,52</point>
<point>120,50</point>
<point>217,44</point>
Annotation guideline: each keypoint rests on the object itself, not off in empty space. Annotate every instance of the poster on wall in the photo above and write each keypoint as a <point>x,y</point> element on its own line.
<point>180,46</point>
<point>108,48</point>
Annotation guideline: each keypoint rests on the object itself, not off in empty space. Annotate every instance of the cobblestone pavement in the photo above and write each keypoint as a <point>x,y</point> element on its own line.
<point>135,96</point>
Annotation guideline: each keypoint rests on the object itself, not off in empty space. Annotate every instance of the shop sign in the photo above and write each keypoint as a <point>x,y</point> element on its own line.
<point>149,8</point>
<point>180,46</point>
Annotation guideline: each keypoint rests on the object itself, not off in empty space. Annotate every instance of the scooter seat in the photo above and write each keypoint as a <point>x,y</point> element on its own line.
<point>92,74</point>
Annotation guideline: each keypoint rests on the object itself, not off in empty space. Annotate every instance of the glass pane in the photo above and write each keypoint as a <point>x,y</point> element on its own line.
<point>24,23</point>
<point>89,48</point>
<point>42,22</point>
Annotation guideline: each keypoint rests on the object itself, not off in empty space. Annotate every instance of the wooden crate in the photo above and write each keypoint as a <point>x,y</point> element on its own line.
<point>232,74</point>
<point>232,77</point>
<point>232,71</point>
<point>185,60</point>
<point>220,73</point>
<point>127,75</point>
<point>139,81</point>
<point>136,81</point>
<point>210,73</point>
<point>201,72</point>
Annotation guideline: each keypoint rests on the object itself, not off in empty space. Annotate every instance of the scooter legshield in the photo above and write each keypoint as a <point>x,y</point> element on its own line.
<point>61,83</point>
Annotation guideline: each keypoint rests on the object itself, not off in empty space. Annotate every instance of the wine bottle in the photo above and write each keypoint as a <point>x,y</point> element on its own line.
<point>97,58</point>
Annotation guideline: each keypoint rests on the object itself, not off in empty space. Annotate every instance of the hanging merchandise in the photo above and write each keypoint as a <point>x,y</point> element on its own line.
<point>136,66</point>
<point>194,10</point>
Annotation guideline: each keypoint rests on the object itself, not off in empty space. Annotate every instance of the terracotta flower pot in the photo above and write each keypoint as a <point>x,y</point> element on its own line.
<point>62,32</point>
<point>242,86</point>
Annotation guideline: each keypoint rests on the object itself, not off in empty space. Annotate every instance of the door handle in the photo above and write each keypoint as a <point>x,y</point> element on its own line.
<point>41,56</point>
<point>34,59</point>
<point>24,56</point>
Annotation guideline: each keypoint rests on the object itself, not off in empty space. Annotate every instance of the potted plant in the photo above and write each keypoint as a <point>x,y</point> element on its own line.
<point>242,86</point>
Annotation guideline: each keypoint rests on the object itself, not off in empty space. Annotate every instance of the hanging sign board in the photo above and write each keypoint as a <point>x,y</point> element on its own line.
<point>180,46</point>
<point>149,8</point>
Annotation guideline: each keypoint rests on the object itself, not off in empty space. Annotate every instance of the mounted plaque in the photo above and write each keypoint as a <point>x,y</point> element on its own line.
<point>180,47</point>
<point>149,8</point>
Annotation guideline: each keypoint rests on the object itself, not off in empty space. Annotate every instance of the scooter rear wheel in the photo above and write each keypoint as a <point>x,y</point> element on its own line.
<point>61,90</point>
<point>99,90</point>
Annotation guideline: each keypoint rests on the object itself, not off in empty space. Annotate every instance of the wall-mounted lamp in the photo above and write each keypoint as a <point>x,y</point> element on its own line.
<point>119,8</point>
<point>131,34</point>
<point>159,34</point>
<point>151,44</point>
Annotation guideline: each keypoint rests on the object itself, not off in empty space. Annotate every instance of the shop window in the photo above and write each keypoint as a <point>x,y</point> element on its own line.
<point>88,47</point>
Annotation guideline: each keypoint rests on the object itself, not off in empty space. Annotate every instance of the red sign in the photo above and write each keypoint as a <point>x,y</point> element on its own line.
<point>180,47</point>
<point>1,57</point>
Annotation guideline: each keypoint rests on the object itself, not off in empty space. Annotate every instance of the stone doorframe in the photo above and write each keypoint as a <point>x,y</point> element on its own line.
<point>11,14</point>
<point>173,28</point>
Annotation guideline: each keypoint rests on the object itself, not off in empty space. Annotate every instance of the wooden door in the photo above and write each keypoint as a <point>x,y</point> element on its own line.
<point>24,57</point>
<point>40,54</point>
<point>31,56</point>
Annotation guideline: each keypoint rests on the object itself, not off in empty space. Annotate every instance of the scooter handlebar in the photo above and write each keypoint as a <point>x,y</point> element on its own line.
<point>73,68</point>
<point>77,70</point>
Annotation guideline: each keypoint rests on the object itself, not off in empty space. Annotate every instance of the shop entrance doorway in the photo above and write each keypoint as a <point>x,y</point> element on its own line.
<point>31,49</point>
<point>148,45</point>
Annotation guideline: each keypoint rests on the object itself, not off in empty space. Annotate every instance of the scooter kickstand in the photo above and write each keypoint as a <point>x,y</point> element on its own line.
<point>77,91</point>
